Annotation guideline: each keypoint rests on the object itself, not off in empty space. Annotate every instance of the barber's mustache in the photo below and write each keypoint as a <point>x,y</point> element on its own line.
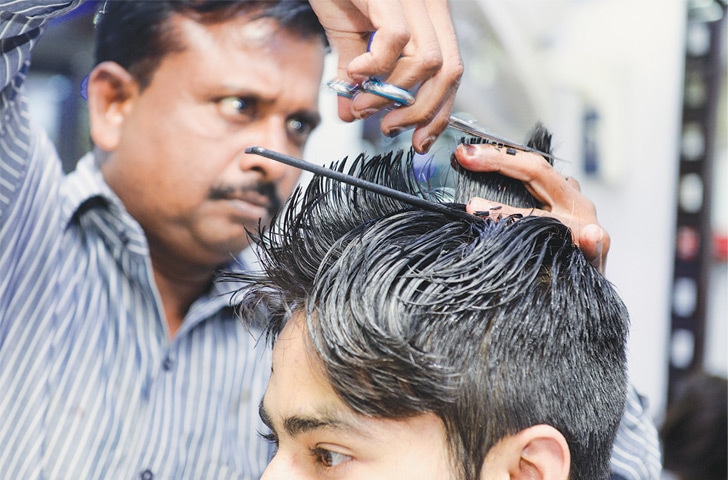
<point>267,190</point>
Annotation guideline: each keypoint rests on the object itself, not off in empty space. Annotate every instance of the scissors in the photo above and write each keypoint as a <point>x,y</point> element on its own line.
<point>401,97</point>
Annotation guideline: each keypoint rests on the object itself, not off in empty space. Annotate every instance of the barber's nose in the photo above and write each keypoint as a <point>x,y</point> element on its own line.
<point>271,134</point>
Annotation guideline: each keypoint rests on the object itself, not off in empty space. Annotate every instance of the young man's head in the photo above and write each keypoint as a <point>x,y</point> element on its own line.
<point>179,91</point>
<point>415,344</point>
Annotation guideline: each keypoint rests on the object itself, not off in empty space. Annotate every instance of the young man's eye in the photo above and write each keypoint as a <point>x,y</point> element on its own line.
<point>327,458</point>
<point>271,438</point>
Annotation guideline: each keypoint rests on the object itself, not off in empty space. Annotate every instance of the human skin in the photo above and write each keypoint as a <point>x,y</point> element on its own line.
<point>415,45</point>
<point>561,196</point>
<point>319,436</point>
<point>174,152</point>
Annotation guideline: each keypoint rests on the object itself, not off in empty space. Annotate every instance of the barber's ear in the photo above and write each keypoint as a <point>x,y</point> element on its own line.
<point>536,453</point>
<point>111,93</point>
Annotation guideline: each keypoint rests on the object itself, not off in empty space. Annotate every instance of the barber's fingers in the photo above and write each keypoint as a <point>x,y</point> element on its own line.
<point>392,26</point>
<point>419,59</point>
<point>414,46</point>
<point>540,178</point>
<point>349,25</point>
<point>561,197</point>
<point>427,132</point>
<point>591,238</point>
<point>432,59</point>
<point>594,241</point>
<point>574,183</point>
<point>430,62</point>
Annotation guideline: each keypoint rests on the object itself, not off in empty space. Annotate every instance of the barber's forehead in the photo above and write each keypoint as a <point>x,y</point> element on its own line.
<point>245,32</point>
<point>292,16</point>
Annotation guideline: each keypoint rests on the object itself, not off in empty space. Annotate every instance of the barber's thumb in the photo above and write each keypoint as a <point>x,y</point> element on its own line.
<point>591,242</point>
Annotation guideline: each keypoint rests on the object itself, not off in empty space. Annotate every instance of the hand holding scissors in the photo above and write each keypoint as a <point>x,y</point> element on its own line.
<point>414,46</point>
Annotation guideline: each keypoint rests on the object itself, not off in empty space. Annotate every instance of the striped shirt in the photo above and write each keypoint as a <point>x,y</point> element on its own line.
<point>92,385</point>
<point>636,454</point>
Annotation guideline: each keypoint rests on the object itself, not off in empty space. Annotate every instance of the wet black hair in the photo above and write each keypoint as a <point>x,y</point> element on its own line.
<point>494,326</point>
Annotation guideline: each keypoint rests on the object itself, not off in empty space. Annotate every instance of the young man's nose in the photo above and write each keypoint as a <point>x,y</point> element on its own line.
<point>281,468</point>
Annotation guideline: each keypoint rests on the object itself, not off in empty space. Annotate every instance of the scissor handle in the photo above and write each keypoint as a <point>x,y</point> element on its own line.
<point>399,96</point>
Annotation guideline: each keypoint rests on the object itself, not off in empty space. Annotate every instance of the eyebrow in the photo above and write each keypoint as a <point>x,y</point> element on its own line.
<point>300,424</point>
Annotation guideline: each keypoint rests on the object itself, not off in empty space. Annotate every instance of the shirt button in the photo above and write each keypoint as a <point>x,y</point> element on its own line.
<point>167,364</point>
<point>146,475</point>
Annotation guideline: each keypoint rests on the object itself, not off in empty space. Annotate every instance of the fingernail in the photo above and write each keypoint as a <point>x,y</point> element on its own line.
<point>366,113</point>
<point>469,148</point>
<point>393,132</point>
<point>427,144</point>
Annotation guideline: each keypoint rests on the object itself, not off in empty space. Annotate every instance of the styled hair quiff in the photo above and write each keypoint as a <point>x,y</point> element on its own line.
<point>495,326</point>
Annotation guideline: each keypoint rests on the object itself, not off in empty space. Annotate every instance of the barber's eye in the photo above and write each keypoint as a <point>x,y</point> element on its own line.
<point>237,106</point>
<point>299,128</point>
<point>295,125</point>
<point>330,459</point>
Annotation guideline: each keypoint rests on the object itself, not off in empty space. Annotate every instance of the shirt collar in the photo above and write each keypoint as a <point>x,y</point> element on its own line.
<point>83,184</point>
<point>86,185</point>
<point>86,188</point>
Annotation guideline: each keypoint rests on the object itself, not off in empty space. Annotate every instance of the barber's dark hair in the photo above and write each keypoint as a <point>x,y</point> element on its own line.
<point>492,326</point>
<point>138,34</point>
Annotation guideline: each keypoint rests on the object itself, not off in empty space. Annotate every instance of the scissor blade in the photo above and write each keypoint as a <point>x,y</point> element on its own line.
<point>472,129</point>
<point>348,90</point>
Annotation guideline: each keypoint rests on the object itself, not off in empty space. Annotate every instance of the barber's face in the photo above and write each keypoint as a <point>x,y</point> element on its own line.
<point>179,162</point>
<point>319,437</point>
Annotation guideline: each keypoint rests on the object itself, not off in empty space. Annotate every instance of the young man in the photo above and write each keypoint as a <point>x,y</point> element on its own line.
<point>414,344</point>
<point>119,353</point>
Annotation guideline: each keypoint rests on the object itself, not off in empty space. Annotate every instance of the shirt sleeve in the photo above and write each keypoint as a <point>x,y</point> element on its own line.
<point>21,22</point>
<point>636,454</point>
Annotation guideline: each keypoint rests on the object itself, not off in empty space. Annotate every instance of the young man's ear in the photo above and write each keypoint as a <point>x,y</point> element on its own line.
<point>536,453</point>
<point>111,92</point>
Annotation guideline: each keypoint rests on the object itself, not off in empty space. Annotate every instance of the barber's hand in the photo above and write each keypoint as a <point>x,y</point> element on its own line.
<point>415,44</point>
<point>561,196</point>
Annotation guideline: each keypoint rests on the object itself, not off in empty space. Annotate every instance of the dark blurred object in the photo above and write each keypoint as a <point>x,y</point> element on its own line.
<point>62,58</point>
<point>695,431</point>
